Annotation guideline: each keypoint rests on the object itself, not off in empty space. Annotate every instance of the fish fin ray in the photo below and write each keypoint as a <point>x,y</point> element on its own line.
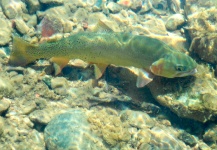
<point>143,78</point>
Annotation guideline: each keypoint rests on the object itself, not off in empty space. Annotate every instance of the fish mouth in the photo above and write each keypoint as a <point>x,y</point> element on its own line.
<point>183,74</point>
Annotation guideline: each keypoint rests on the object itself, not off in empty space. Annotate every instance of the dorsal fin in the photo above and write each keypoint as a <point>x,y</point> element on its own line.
<point>102,27</point>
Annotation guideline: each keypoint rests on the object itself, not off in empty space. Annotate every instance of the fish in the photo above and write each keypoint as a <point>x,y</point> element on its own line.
<point>148,56</point>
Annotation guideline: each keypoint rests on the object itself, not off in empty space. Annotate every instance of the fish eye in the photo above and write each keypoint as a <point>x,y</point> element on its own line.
<point>180,68</point>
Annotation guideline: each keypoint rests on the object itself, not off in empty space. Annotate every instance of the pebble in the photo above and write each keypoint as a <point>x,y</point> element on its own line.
<point>114,7</point>
<point>57,2</point>
<point>59,85</point>
<point>21,26</point>
<point>5,31</point>
<point>2,124</point>
<point>6,87</point>
<point>40,116</point>
<point>12,8</point>
<point>174,22</point>
<point>17,79</point>
<point>187,139</point>
<point>32,5</point>
<point>4,105</point>
<point>28,108</point>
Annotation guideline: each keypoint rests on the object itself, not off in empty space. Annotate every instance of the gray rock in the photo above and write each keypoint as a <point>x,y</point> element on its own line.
<point>5,31</point>
<point>71,130</point>
<point>41,116</point>
<point>175,21</point>
<point>6,88</point>
<point>13,9</point>
<point>114,7</point>
<point>32,5</point>
<point>2,124</point>
<point>59,85</point>
<point>21,26</point>
<point>4,105</point>
<point>51,1</point>
<point>187,139</point>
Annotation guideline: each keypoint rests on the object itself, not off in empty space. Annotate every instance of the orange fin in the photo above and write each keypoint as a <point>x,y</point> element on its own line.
<point>19,55</point>
<point>59,63</point>
<point>102,27</point>
<point>99,69</point>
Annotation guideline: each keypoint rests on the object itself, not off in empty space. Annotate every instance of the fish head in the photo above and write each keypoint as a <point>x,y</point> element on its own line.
<point>174,65</point>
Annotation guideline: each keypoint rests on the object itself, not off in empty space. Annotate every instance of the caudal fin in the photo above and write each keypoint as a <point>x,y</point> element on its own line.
<point>19,55</point>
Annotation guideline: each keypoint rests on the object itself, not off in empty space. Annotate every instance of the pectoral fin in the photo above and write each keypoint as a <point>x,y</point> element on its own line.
<point>59,63</point>
<point>99,69</point>
<point>143,78</point>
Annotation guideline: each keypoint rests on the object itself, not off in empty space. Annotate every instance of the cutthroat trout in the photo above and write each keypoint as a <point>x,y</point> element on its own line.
<point>149,55</point>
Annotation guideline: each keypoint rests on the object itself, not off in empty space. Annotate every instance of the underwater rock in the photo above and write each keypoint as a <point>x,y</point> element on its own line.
<point>137,119</point>
<point>154,26</point>
<point>174,5</point>
<point>202,30</point>
<point>202,21</point>
<point>55,20</point>
<point>2,125</point>
<point>51,25</point>
<point>210,135</point>
<point>57,2</point>
<point>6,88</point>
<point>187,139</point>
<point>174,22</point>
<point>4,105</point>
<point>5,31</point>
<point>71,130</point>
<point>32,5</point>
<point>13,8</point>
<point>190,97</point>
<point>32,21</point>
<point>59,85</point>
<point>21,26</point>
<point>114,7</point>
<point>106,123</point>
<point>45,115</point>
<point>162,138</point>
<point>205,46</point>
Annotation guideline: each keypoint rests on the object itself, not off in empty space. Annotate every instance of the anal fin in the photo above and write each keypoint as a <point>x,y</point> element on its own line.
<point>59,63</point>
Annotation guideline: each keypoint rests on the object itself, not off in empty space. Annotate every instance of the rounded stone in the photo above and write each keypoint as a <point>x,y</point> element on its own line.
<point>114,7</point>
<point>59,85</point>
<point>175,21</point>
<point>70,130</point>
<point>6,88</point>
<point>4,105</point>
<point>5,31</point>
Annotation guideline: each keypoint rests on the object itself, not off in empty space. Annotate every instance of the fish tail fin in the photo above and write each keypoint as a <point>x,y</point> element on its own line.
<point>19,55</point>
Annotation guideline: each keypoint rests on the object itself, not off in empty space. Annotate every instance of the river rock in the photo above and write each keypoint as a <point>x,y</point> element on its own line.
<point>191,97</point>
<point>174,22</point>
<point>6,88</point>
<point>71,130</point>
<point>5,31</point>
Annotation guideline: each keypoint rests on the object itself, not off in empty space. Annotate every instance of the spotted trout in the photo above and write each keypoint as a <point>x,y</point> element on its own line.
<point>150,56</point>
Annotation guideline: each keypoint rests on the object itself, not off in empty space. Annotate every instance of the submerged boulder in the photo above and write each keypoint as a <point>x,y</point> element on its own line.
<point>191,97</point>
